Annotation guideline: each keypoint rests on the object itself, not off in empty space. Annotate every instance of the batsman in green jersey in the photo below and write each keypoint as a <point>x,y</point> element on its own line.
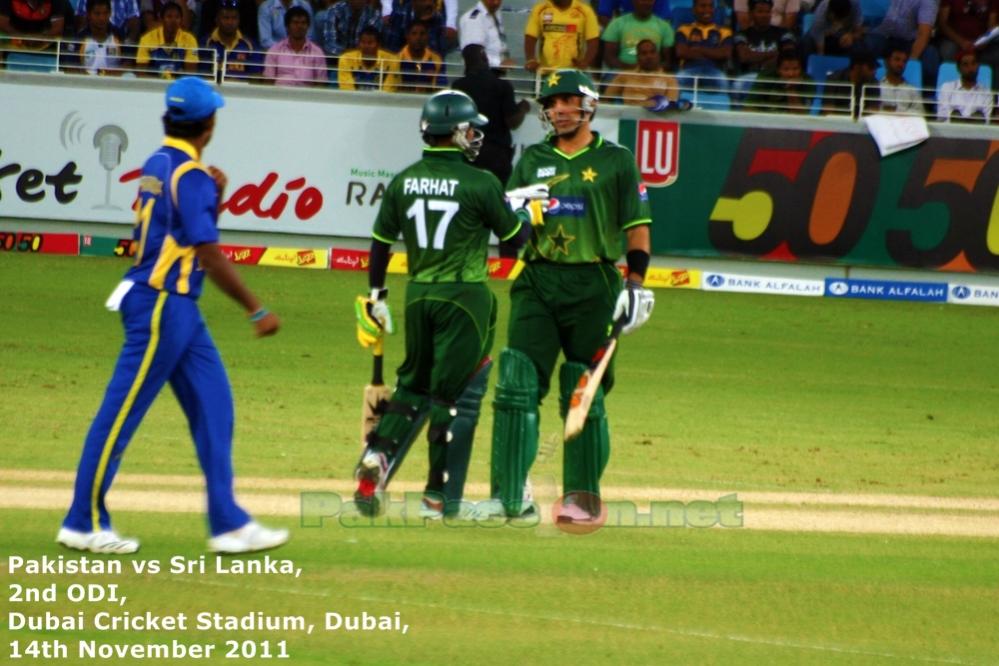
<point>569,294</point>
<point>445,210</point>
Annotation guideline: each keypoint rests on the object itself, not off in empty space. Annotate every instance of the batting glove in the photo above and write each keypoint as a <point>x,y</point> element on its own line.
<point>532,199</point>
<point>661,103</point>
<point>374,318</point>
<point>635,305</point>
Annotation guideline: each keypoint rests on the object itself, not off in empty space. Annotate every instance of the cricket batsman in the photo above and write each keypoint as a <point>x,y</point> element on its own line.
<point>568,294</point>
<point>445,209</point>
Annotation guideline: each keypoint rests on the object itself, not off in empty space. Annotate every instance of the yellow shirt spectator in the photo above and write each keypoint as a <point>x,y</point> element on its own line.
<point>355,72</point>
<point>165,56</point>
<point>564,33</point>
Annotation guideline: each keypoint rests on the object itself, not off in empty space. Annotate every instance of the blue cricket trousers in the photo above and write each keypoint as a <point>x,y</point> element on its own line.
<point>166,340</point>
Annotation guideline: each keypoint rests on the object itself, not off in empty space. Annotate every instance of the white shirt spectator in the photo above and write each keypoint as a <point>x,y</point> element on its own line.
<point>902,98</point>
<point>965,101</point>
<point>478,26</point>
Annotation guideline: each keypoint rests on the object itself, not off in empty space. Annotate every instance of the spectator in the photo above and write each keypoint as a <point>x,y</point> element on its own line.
<point>32,20</point>
<point>271,19</point>
<point>168,49</point>
<point>446,8</point>
<point>622,36</point>
<point>895,94</point>
<point>420,69</point>
<point>702,47</point>
<point>909,25</point>
<point>568,32</point>
<point>494,98</point>
<point>783,14</point>
<point>858,74</point>
<point>394,34</point>
<point>151,10</point>
<point>232,48</point>
<point>295,61</point>
<point>96,50</point>
<point>965,100</point>
<point>344,23</point>
<point>608,9</point>
<point>838,25</point>
<point>368,67</point>
<point>961,22</point>
<point>483,25</point>
<point>790,92</point>
<point>247,19</point>
<point>124,19</point>
<point>646,79</point>
<point>757,47</point>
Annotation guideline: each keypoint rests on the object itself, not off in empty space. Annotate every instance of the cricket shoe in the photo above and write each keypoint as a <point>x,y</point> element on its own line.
<point>573,514</point>
<point>371,475</point>
<point>432,509</point>
<point>248,539</point>
<point>101,541</point>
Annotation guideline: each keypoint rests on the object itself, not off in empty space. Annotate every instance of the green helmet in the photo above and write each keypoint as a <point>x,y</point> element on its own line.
<point>568,82</point>
<point>453,113</point>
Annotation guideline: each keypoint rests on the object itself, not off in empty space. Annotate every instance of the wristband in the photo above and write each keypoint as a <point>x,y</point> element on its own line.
<point>259,314</point>
<point>638,262</point>
<point>379,293</point>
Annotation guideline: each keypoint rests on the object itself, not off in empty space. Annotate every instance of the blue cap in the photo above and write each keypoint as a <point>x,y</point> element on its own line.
<point>190,99</point>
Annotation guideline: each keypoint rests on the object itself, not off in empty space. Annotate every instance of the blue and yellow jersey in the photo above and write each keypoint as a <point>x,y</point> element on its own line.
<point>177,210</point>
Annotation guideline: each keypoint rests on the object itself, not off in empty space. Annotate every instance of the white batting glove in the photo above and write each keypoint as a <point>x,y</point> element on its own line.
<point>635,304</point>
<point>379,310</point>
<point>521,197</point>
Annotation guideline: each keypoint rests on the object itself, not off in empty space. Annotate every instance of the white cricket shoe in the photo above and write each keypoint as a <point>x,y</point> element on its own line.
<point>101,541</point>
<point>248,539</point>
<point>431,509</point>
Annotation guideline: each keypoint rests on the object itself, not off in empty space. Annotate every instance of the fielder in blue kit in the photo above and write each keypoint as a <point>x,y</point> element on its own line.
<point>166,339</point>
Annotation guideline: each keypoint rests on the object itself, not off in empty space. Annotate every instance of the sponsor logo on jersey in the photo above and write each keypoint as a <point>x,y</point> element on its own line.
<point>546,172</point>
<point>643,192</point>
<point>566,207</point>
<point>657,152</point>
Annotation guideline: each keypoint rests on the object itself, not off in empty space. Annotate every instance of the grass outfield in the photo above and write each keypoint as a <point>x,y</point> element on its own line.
<point>729,392</point>
<point>716,391</point>
<point>627,596</point>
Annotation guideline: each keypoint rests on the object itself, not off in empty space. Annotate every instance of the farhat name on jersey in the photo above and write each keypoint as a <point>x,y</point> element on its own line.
<point>435,186</point>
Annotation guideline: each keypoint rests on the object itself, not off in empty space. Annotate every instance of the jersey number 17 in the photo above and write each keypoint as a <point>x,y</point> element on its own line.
<point>418,213</point>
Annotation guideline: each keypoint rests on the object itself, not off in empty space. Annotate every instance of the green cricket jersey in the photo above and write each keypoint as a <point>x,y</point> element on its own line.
<point>445,208</point>
<point>596,194</point>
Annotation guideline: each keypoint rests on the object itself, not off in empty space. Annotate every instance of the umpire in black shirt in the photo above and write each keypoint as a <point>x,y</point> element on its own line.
<point>494,98</point>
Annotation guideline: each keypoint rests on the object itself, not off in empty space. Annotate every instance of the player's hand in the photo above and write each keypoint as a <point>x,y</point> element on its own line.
<point>533,199</point>
<point>267,325</point>
<point>374,319</point>
<point>635,304</point>
<point>661,103</point>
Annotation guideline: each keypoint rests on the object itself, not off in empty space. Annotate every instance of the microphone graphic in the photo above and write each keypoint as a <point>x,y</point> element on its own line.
<point>110,141</point>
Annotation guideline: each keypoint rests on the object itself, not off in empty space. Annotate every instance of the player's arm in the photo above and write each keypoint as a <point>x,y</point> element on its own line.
<point>224,275</point>
<point>639,244</point>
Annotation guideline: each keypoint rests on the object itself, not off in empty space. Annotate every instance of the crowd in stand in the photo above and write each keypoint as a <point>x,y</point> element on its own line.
<point>764,55</point>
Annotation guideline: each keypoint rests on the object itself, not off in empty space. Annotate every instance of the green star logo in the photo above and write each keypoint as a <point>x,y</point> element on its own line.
<point>560,240</point>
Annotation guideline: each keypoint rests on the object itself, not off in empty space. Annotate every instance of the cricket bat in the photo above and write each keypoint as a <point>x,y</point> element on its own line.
<point>586,388</point>
<point>376,395</point>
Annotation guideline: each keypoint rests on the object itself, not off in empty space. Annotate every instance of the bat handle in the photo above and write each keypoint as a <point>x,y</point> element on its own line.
<point>377,364</point>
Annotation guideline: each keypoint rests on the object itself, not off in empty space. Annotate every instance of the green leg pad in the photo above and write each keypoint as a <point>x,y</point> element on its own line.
<point>515,429</point>
<point>399,426</point>
<point>585,457</point>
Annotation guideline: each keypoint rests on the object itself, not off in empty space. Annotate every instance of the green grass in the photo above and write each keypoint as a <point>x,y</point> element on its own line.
<point>721,391</point>
<point>718,390</point>
<point>618,596</point>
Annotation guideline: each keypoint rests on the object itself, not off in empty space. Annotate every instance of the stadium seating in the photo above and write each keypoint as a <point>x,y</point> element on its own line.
<point>874,11</point>
<point>819,67</point>
<point>711,101</point>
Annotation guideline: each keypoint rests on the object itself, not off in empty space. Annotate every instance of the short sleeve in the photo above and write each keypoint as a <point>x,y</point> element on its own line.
<point>592,27</point>
<point>927,12</point>
<point>502,220</point>
<point>612,33</point>
<point>197,203</point>
<point>533,27</point>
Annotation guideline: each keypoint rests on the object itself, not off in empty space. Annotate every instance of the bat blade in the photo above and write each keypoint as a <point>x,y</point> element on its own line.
<point>586,387</point>
<point>375,398</point>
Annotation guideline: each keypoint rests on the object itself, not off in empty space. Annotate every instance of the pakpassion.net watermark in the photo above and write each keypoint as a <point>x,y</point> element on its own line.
<point>406,510</point>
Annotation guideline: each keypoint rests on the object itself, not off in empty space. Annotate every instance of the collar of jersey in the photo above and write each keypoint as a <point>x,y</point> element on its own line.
<point>443,152</point>
<point>182,146</point>
<point>596,143</point>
